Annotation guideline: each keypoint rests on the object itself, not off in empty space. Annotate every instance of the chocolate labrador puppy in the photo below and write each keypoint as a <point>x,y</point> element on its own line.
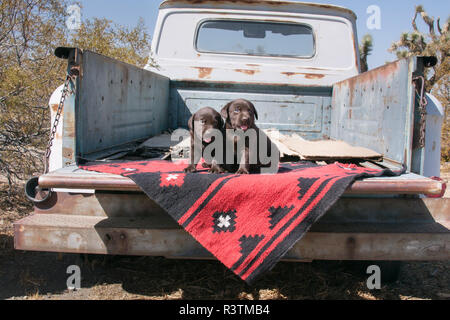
<point>252,149</point>
<point>200,127</point>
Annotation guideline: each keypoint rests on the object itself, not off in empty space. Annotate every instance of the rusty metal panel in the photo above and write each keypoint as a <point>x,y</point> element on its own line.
<point>117,103</point>
<point>124,236</point>
<point>376,110</point>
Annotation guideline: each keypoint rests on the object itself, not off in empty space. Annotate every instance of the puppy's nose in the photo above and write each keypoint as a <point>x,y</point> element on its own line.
<point>245,120</point>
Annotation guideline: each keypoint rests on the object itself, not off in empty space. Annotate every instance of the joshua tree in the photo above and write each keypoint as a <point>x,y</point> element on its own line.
<point>433,42</point>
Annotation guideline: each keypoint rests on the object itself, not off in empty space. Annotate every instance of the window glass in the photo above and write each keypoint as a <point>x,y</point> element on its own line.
<point>256,38</point>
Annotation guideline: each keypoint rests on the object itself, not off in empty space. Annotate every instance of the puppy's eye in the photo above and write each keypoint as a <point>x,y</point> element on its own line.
<point>202,121</point>
<point>237,110</point>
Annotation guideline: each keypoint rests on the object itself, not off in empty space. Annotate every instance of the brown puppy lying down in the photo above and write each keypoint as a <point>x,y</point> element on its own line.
<point>253,151</point>
<point>201,126</point>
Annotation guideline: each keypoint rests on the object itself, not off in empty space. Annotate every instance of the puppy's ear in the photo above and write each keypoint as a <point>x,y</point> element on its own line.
<point>191,123</point>
<point>220,122</point>
<point>224,111</point>
<point>254,110</point>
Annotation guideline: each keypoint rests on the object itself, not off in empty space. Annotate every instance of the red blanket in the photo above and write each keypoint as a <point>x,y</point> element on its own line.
<point>247,221</point>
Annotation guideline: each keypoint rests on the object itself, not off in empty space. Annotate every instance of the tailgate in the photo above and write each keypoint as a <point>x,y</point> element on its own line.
<point>74,178</point>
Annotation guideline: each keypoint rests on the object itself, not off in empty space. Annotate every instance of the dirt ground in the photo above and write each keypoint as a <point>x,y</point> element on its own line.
<point>37,275</point>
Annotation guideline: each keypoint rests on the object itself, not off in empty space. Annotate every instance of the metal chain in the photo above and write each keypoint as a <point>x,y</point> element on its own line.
<point>64,94</point>
<point>423,111</point>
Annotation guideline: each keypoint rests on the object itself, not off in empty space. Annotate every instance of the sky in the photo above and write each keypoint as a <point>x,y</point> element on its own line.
<point>395,17</point>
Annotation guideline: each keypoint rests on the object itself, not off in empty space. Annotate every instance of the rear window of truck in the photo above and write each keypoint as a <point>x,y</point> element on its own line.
<point>255,38</point>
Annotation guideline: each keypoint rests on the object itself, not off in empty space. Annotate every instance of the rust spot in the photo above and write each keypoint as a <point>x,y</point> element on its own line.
<point>314,76</point>
<point>69,124</point>
<point>117,242</point>
<point>67,153</point>
<point>356,50</point>
<point>203,72</point>
<point>252,65</point>
<point>307,75</point>
<point>311,68</point>
<point>349,113</point>
<point>351,247</point>
<point>289,74</point>
<point>388,100</point>
<point>69,133</point>
<point>246,71</point>
<point>54,107</point>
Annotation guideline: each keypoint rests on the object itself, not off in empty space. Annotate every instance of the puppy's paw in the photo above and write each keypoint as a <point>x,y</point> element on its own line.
<point>216,169</point>
<point>242,171</point>
<point>205,165</point>
<point>190,169</point>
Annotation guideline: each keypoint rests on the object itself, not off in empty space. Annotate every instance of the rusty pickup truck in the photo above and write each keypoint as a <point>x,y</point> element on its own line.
<point>299,63</point>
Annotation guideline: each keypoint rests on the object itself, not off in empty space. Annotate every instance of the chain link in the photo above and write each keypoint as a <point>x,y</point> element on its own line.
<point>64,95</point>
<point>422,110</point>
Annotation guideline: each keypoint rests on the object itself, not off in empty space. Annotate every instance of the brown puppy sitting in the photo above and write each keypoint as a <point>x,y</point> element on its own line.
<point>252,149</point>
<point>201,125</point>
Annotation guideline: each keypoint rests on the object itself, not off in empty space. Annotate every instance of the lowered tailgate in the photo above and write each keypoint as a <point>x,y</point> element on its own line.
<point>73,178</point>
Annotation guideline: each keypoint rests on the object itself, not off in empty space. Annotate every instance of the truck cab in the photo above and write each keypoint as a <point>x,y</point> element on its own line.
<point>261,42</point>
